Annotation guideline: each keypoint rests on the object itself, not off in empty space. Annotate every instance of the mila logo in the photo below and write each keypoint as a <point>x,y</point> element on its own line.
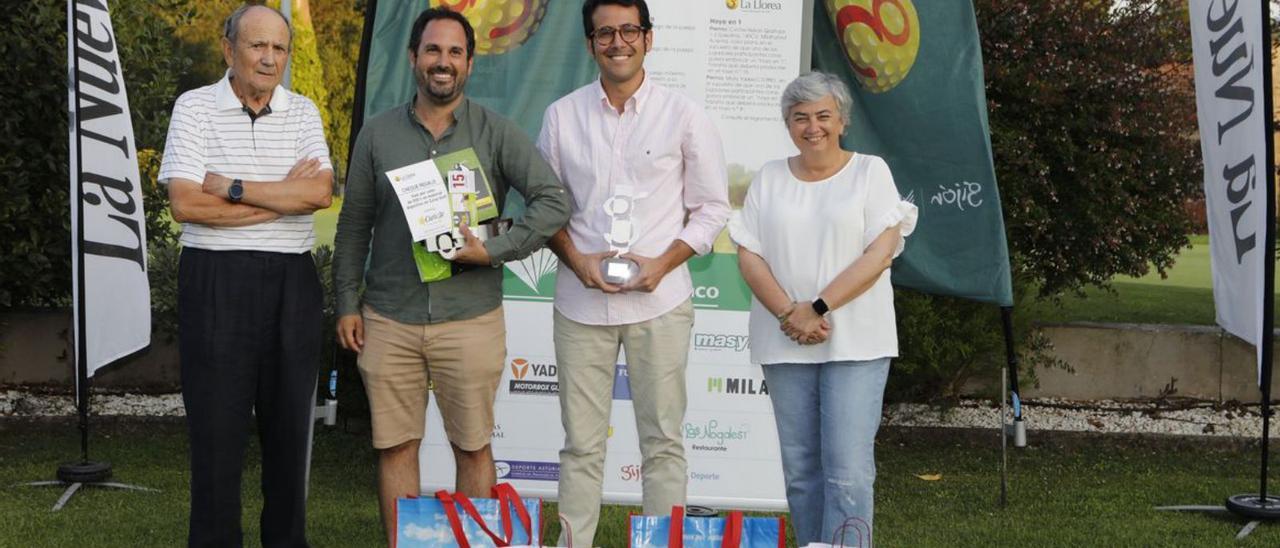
<point>734,385</point>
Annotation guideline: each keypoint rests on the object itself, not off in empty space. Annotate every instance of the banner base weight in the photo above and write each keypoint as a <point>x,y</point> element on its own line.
<point>1254,507</point>
<point>84,472</point>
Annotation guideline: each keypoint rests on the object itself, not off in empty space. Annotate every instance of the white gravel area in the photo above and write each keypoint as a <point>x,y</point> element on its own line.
<point>16,403</point>
<point>1185,418</point>
<point>1188,418</point>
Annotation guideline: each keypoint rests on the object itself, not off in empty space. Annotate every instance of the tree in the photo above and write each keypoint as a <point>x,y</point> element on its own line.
<point>338,26</point>
<point>35,267</point>
<point>1093,127</point>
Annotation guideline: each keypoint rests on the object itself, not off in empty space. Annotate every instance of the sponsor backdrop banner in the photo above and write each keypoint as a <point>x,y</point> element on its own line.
<point>1228,47</point>
<point>735,58</point>
<point>109,256</point>
<point>923,110</point>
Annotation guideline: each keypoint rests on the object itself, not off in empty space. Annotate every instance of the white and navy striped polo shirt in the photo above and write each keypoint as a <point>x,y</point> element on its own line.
<point>211,131</point>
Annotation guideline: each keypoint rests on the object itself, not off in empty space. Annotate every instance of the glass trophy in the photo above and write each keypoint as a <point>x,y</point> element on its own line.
<point>617,270</point>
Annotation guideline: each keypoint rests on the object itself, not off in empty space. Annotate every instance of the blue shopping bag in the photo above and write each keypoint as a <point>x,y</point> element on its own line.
<point>450,520</point>
<point>731,531</point>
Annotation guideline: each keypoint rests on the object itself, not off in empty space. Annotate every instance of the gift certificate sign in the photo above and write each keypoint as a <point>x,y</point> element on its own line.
<point>424,198</point>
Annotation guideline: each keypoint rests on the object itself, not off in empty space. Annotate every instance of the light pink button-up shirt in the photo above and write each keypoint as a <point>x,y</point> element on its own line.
<point>667,148</point>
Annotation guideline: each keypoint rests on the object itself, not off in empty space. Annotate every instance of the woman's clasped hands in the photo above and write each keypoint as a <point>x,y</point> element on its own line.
<point>802,324</point>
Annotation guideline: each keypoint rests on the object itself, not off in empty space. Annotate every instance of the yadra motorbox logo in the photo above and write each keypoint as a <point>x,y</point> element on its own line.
<point>737,385</point>
<point>721,341</point>
<point>519,368</point>
<point>533,378</point>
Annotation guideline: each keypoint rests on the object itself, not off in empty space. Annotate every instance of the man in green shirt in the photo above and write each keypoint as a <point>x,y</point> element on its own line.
<point>451,329</point>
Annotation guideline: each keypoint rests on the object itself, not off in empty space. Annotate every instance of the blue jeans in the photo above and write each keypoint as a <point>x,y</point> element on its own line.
<point>827,416</point>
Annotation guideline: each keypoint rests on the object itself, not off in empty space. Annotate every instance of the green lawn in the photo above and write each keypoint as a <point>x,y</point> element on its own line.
<point>1066,490</point>
<point>327,222</point>
<point>1184,297</point>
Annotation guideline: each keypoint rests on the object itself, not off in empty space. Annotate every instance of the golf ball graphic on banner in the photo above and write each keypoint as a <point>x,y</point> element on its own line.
<point>501,25</point>
<point>880,37</point>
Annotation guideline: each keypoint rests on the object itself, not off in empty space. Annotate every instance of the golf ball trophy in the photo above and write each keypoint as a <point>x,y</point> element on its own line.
<point>617,270</point>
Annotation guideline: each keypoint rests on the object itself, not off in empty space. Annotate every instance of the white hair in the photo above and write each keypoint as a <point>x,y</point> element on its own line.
<point>813,86</point>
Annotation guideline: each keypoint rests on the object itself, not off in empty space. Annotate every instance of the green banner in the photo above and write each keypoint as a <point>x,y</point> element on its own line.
<point>915,67</point>
<point>924,112</point>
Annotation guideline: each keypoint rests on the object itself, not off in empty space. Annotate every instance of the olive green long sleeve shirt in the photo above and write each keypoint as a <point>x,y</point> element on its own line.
<point>373,242</point>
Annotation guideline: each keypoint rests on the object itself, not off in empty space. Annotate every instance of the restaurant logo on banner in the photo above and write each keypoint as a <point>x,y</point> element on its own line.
<point>109,255</point>
<point>713,436</point>
<point>1228,48</point>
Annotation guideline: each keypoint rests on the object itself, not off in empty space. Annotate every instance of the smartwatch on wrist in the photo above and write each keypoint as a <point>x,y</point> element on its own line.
<point>236,191</point>
<point>820,306</point>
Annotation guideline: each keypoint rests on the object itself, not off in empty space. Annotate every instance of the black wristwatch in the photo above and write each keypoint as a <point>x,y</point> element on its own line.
<point>820,306</point>
<point>236,191</point>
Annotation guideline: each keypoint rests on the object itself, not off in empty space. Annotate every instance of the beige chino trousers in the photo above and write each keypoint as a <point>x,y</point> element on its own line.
<point>657,353</point>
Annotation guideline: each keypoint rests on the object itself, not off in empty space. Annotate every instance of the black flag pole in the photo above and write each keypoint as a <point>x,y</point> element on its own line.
<point>1009,382</point>
<point>1260,505</point>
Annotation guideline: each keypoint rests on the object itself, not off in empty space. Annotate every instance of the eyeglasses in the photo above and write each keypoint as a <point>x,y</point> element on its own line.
<point>604,36</point>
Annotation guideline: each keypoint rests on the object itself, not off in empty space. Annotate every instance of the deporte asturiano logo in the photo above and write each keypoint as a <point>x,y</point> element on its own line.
<point>880,37</point>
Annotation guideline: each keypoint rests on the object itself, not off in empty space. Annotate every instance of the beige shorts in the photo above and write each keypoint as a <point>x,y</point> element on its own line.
<point>463,362</point>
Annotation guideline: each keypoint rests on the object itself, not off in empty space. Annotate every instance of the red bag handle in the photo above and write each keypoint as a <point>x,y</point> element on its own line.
<point>732,531</point>
<point>675,533</point>
<point>446,500</point>
<point>508,498</point>
<point>470,509</point>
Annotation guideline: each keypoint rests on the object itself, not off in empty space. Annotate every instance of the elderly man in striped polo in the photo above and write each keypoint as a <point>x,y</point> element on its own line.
<point>246,164</point>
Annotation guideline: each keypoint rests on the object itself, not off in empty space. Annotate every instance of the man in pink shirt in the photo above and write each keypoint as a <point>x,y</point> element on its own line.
<point>645,167</point>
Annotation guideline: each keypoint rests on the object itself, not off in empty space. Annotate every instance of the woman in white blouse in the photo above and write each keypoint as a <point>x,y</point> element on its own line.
<point>815,240</point>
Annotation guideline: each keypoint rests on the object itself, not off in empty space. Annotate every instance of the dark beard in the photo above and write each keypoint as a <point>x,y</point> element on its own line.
<point>439,95</point>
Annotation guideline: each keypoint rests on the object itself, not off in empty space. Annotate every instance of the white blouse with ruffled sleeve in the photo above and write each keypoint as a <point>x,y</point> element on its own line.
<point>808,233</point>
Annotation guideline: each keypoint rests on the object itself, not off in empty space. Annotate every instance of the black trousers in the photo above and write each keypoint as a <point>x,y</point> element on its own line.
<point>249,338</point>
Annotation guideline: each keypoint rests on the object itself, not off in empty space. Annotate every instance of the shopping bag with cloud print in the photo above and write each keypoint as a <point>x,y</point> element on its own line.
<point>731,531</point>
<point>453,519</point>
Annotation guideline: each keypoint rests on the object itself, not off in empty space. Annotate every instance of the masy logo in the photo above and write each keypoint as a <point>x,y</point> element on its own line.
<point>721,341</point>
<point>735,385</point>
